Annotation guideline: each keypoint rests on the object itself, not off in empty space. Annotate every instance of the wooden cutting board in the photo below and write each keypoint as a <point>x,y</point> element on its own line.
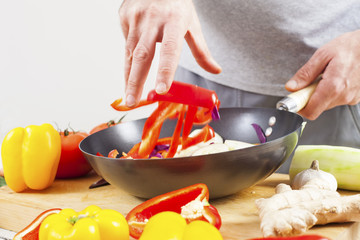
<point>239,213</point>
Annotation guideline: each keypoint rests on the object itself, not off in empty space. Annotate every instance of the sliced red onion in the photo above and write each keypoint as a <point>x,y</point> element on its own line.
<point>157,148</point>
<point>215,113</point>
<point>259,132</point>
<point>161,147</point>
<point>158,155</point>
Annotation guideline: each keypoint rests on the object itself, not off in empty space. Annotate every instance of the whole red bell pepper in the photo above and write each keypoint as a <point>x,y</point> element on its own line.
<point>185,201</point>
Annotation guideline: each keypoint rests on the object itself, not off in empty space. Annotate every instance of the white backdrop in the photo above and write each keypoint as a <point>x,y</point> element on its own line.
<point>61,62</point>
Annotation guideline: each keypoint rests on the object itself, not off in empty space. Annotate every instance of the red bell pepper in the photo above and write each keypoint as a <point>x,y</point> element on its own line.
<point>301,237</point>
<point>188,94</point>
<point>117,105</point>
<point>175,140</point>
<point>204,135</point>
<point>180,201</point>
<point>152,127</point>
<point>201,103</point>
<point>113,153</point>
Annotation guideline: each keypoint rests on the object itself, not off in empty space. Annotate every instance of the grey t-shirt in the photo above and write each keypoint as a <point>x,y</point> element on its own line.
<point>261,44</point>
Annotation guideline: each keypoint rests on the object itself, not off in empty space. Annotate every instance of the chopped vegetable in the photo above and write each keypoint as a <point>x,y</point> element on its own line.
<point>191,202</point>
<point>30,157</point>
<point>197,106</point>
<point>342,162</point>
<point>260,133</point>
<point>187,94</point>
<point>31,232</point>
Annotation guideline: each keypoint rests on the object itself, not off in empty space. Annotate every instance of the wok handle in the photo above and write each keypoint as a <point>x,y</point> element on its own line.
<point>296,101</point>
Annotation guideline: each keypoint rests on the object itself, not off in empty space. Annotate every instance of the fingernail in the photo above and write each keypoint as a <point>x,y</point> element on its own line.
<point>219,68</point>
<point>161,88</point>
<point>292,84</point>
<point>130,100</point>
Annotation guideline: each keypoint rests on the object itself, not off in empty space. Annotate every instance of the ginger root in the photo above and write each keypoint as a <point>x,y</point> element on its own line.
<point>290,212</point>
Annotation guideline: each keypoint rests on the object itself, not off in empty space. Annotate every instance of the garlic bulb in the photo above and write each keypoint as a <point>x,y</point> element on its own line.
<point>314,178</point>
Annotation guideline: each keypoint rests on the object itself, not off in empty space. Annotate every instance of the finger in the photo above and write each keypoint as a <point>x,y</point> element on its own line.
<point>141,60</point>
<point>315,105</point>
<point>310,71</point>
<point>328,93</point>
<point>197,44</point>
<point>170,50</point>
<point>130,45</point>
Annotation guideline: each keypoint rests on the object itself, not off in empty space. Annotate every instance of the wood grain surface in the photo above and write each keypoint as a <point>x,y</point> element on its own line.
<point>239,213</point>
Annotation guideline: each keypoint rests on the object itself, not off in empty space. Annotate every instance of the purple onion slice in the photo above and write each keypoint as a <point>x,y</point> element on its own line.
<point>215,113</point>
<point>259,132</point>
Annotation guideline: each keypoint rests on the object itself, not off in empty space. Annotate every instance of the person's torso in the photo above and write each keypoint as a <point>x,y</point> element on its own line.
<point>261,44</point>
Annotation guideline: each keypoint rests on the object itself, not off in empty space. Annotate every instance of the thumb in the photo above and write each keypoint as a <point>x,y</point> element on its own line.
<point>309,72</point>
<point>199,49</point>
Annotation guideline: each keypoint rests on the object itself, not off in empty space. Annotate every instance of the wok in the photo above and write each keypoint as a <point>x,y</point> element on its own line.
<point>224,173</point>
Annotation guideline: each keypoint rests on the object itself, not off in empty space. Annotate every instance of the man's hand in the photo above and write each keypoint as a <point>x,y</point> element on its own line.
<point>339,61</point>
<point>145,22</point>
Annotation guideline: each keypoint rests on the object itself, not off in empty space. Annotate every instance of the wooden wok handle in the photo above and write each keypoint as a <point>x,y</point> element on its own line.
<point>296,101</point>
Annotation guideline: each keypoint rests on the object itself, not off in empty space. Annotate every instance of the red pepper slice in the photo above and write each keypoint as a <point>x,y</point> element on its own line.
<point>189,120</point>
<point>176,135</point>
<point>113,153</point>
<point>173,201</point>
<point>201,103</point>
<point>153,124</point>
<point>117,104</point>
<point>301,237</point>
<point>203,116</point>
<point>205,134</point>
<point>186,93</point>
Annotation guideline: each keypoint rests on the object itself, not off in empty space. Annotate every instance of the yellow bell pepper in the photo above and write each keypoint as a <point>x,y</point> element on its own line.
<point>172,226</point>
<point>93,223</point>
<point>30,157</point>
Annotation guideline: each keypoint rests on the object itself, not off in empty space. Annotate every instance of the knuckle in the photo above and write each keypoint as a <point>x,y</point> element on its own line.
<point>141,53</point>
<point>304,73</point>
<point>132,84</point>
<point>324,53</point>
<point>166,71</point>
<point>169,46</point>
<point>153,11</point>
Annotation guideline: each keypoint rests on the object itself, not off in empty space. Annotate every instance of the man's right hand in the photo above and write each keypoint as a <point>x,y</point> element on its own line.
<point>145,22</point>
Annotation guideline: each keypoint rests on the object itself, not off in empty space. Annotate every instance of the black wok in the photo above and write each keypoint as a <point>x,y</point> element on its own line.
<point>224,173</point>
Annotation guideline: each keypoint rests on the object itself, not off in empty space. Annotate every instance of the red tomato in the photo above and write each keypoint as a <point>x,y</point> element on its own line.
<point>108,124</point>
<point>72,162</point>
<point>102,126</point>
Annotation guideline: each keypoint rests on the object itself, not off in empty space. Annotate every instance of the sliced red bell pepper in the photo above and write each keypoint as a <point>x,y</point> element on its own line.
<point>189,120</point>
<point>201,105</point>
<point>153,124</point>
<point>175,140</point>
<point>113,153</point>
<point>205,134</point>
<point>117,105</point>
<point>202,116</point>
<point>188,94</point>
<point>175,201</point>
